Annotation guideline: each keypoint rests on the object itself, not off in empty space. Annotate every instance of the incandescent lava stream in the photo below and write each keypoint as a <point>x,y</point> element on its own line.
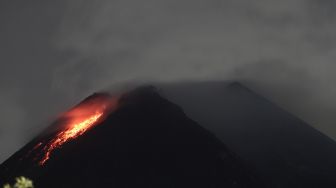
<point>78,120</point>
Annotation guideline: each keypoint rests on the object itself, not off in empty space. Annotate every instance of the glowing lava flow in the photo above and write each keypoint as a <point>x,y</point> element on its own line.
<point>78,121</point>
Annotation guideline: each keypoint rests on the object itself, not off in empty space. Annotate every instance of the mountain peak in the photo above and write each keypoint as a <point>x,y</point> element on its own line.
<point>146,142</point>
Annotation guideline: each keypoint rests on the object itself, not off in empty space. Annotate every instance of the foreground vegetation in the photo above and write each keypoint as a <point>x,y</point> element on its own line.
<point>21,182</point>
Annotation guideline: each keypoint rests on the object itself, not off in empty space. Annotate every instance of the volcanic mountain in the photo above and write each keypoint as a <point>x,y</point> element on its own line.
<point>138,139</point>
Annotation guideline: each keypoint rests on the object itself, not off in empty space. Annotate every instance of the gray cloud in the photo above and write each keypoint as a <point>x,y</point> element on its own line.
<point>12,116</point>
<point>283,49</point>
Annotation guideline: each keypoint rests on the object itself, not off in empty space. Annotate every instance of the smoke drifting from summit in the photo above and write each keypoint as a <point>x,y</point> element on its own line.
<point>283,49</point>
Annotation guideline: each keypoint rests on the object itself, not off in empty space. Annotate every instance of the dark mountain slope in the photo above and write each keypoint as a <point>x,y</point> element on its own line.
<point>147,142</point>
<point>285,150</point>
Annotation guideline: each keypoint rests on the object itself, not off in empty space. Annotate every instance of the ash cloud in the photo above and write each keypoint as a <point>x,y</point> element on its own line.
<point>283,49</point>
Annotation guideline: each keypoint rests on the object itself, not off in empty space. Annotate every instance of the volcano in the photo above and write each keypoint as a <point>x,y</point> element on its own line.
<point>204,134</point>
<point>138,139</point>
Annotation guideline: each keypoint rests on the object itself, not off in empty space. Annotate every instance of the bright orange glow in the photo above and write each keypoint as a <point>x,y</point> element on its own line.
<point>77,121</point>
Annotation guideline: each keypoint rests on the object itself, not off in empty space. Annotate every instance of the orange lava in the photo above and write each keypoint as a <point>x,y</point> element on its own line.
<point>77,121</point>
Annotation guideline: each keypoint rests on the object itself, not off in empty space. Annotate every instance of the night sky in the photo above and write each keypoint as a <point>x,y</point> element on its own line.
<point>56,52</point>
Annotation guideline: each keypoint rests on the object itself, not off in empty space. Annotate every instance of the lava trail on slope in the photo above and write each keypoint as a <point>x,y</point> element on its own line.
<point>77,121</point>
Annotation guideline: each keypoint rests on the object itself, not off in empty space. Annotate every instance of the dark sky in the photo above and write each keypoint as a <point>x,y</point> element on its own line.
<point>54,53</point>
